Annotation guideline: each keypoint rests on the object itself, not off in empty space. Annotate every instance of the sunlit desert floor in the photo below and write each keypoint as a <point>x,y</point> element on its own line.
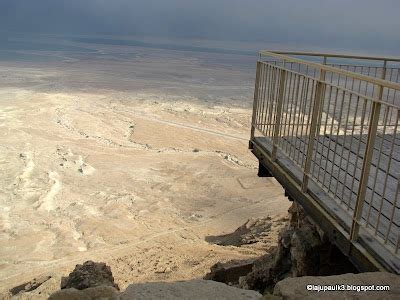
<point>136,180</point>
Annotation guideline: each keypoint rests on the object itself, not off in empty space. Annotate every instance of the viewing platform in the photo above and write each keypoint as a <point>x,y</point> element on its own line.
<point>327,127</point>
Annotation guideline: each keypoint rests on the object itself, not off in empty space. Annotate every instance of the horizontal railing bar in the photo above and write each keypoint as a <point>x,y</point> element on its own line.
<point>338,87</point>
<point>373,80</point>
<point>337,55</point>
<point>341,127</point>
<point>350,65</point>
<point>358,66</point>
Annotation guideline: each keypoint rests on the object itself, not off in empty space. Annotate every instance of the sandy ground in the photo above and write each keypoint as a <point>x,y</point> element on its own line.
<point>137,180</point>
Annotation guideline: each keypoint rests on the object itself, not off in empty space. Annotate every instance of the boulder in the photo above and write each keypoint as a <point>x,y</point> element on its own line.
<point>90,274</point>
<point>230,272</point>
<point>29,286</point>
<point>93,293</point>
<point>192,289</point>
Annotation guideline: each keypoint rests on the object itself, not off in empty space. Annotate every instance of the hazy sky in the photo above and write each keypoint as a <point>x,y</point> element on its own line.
<point>369,24</point>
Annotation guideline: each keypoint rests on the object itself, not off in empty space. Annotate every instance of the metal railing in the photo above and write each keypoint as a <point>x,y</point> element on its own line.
<point>338,124</point>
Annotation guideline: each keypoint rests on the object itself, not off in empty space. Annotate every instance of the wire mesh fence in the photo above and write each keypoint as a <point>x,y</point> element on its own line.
<point>339,125</point>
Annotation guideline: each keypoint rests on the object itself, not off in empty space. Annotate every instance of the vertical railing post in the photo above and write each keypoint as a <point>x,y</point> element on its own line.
<point>362,188</point>
<point>372,130</point>
<point>322,78</point>
<point>279,103</point>
<point>255,101</point>
<point>384,68</point>
<point>314,126</point>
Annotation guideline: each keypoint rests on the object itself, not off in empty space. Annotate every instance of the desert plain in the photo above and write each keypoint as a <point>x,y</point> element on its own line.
<point>128,156</point>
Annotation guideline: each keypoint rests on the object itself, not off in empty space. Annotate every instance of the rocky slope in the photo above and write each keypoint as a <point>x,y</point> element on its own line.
<point>303,250</point>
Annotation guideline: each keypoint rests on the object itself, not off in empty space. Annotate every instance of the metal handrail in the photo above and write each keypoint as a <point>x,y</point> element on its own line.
<point>377,81</point>
<point>336,55</point>
<point>374,99</point>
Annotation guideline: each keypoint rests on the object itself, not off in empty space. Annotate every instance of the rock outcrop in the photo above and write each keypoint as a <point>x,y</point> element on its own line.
<point>88,275</point>
<point>251,232</point>
<point>29,286</point>
<point>303,250</point>
<point>230,272</point>
<point>303,263</point>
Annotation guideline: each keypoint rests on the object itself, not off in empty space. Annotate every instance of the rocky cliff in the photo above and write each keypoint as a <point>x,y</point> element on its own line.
<point>303,250</point>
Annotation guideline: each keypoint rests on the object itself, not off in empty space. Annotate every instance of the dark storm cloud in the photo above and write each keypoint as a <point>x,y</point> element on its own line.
<point>341,23</point>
